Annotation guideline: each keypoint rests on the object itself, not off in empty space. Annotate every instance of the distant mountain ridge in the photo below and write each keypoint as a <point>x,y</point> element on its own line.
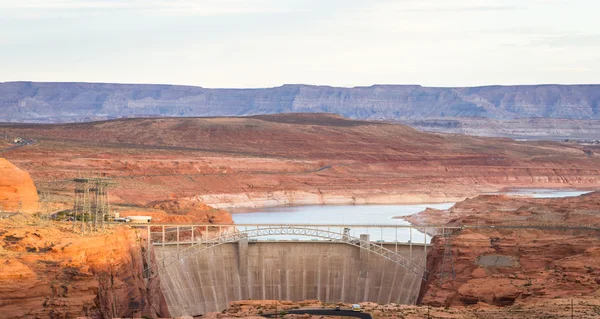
<point>46,102</point>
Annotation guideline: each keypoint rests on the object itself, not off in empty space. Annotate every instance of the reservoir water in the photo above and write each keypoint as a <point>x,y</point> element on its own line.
<point>545,193</point>
<point>363,215</point>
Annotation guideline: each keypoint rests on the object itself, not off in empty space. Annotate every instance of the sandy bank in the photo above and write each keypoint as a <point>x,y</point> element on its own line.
<point>289,198</point>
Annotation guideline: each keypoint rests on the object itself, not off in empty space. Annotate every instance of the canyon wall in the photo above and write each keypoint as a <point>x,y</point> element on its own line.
<point>50,272</point>
<point>331,272</point>
<point>515,250</point>
<point>67,102</point>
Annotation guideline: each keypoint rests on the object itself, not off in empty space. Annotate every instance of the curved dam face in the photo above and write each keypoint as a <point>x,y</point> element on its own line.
<point>291,270</point>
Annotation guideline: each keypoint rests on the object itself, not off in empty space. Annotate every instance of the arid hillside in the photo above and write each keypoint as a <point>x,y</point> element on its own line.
<point>291,159</point>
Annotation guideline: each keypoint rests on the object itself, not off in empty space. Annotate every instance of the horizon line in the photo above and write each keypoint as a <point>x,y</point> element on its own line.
<point>302,84</point>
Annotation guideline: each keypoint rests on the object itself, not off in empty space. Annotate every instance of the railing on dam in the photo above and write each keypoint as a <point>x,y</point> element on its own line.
<point>190,239</point>
<point>180,233</point>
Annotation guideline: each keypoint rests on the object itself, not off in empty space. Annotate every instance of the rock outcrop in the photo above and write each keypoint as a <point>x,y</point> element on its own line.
<point>47,271</point>
<point>66,102</point>
<point>505,264</point>
<point>584,308</point>
<point>17,190</point>
<point>180,211</point>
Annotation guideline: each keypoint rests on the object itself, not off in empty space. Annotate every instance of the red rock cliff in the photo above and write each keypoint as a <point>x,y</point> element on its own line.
<point>50,272</point>
<point>502,266</point>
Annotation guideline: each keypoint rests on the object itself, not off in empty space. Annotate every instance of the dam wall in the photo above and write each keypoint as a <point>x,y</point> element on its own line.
<point>286,270</point>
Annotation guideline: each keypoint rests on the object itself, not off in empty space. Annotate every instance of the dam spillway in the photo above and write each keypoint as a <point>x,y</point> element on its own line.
<point>287,270</point>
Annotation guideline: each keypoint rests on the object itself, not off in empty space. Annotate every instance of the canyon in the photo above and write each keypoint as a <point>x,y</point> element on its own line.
<point>184,170</point>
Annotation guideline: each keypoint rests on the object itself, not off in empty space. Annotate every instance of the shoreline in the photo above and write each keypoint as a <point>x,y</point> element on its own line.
<point>288,199</point>
<point>259,200</point>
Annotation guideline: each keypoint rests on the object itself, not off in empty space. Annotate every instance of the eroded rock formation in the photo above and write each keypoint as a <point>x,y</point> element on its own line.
<point>47,271</point>
<point>584,308</point>
<point>504,264</point>
<point>17,190</point>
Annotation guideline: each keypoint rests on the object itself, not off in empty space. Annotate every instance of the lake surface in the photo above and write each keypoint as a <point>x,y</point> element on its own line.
<point>342,215</point>
<point>363,215</point>
<point>545,193</point>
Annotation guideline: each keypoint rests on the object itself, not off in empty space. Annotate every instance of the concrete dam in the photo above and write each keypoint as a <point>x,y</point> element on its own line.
<point>330,271</point>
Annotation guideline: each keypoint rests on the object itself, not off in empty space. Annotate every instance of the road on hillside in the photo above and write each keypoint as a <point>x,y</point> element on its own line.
<point>323,312</point>
<point>30,142</point>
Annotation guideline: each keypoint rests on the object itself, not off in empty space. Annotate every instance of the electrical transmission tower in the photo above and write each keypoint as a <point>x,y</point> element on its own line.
<point>44,205</point>
<point>447,269</point>
<point>91,206</point>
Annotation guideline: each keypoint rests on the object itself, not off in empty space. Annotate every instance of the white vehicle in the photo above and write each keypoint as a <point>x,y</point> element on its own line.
<point>139,219</point>
<point>355,307</point>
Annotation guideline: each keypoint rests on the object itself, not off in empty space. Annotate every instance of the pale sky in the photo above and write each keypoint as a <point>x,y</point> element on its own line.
<point>265,43</point>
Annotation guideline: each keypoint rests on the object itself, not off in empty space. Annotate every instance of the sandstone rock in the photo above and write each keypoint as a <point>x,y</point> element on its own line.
<point>479,273</point>
<point>196,211</point>
<point>48,272</point>
<point>503,266</point>
<point>17,191</point>
<point>500,292</point>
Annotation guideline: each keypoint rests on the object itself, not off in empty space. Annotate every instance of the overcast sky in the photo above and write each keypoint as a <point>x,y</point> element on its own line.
<point>264,43</point>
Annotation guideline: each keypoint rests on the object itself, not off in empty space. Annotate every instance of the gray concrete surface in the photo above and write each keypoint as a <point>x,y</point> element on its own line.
<point>496,261</point>
<point>327,271</point>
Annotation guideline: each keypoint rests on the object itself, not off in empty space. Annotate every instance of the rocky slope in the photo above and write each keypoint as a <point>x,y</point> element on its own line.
<point>50,272</point>
<point>584,308</point>
<point>181,211</point>
<point>66,102</point>
<point>292,159</point>
<point>17,190</point>
<point>502,265</point>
